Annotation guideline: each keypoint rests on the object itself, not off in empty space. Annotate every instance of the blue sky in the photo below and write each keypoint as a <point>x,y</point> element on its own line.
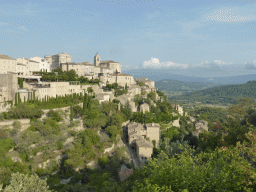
<point>136,33</point>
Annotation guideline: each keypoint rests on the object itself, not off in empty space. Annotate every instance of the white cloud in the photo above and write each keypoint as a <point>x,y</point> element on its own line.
<point>3,23</point>
<point>218,62</point>
<point>155,63</point>
<point>23,28</point>
<point>228,16</point>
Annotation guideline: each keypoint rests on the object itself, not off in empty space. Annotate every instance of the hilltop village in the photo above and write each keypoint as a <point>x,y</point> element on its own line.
<point>141,138</point>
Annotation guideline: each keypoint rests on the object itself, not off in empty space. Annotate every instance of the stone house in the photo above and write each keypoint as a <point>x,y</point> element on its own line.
<point>144,149</point>
<point>144,107</point>
<point>7,63</point>
<point>43,64</point>
<point>149,130</point>
<point>200,126</point>
<point>151,84</point>
<point>102,97</point>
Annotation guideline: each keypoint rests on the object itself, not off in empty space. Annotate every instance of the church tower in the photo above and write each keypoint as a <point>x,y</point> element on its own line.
<point>97,60</point>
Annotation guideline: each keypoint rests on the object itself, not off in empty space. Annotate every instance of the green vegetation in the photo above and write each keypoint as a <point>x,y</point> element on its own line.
<point>20,82</point>
<point>118,90</point>
<point>176,87</point>
<point>222,159</point>
<point>223,95</point>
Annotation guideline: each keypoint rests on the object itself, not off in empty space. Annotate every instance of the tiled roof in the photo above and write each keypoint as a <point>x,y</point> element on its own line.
<point>123,74</point>
<point>144,143</point>
<point>108,61</point>
<point>6,57</point>
<point>125,172</point>
<point>152,125</point>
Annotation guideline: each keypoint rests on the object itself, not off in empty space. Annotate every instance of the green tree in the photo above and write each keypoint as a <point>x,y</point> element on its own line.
<point>85,101</point>
<point>24,183</point>
<point>71,113</point>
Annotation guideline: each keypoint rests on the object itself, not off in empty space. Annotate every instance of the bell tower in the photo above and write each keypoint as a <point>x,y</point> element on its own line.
<point>97,60</point>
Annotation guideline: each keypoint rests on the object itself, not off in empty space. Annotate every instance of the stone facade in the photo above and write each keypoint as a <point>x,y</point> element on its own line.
<point>56,60</point>
<point>31,66</point>
<point>137,134</point>
<point>43,64</point>
<point>200,127</point>
<point>7,63</point>
<point>9,86</point>
<point>144,107</point>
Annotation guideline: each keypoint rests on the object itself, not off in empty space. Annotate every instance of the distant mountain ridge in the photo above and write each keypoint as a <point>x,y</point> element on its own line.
<point>169,86</point>
<point>209,76</point>
<point>224,95</point>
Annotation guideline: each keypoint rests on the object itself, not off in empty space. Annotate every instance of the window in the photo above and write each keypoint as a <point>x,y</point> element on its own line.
<point>141,157</point>
<point>145,157</point>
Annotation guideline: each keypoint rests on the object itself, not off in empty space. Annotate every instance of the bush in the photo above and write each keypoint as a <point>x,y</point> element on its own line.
<point>59,145</point>
<point>55,115</point>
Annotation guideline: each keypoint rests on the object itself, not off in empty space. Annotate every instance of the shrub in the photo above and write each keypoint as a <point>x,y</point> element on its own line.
<point>59,145</point>
<point>55,115</point>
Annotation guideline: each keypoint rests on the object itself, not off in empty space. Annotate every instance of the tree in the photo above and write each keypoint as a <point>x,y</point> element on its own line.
<point>24,183</point>
<point>71,113</point>
<point>85,102</point>
<point>90,90</point>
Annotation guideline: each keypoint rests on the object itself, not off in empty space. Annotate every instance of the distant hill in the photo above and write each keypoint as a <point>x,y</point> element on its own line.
<point>191,76</point>
<point>223,95</point>
<point>176,87</point>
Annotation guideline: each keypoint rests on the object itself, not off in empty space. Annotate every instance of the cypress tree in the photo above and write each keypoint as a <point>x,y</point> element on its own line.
<point>19,99</point>
<point>85,101</point>
<point>16,99</point>
<point>89,103</point>
<point>71,114</point>
<point>24,99</point>
<point>45,98</point>
<point>34,96</point>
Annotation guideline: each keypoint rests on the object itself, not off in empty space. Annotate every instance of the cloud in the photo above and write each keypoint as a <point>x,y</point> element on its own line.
<point>22,28</point>
<point>155,63</point>
<point>218,62</point>
<point>250,66</point>
<point>3,24</point>
<point>228,16</point>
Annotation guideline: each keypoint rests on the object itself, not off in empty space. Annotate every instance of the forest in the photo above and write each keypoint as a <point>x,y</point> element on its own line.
<point>223,95</point>
<point>221,159</point>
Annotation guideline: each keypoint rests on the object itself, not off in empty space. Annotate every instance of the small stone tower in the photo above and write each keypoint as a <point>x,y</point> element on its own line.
<point>97,60</point>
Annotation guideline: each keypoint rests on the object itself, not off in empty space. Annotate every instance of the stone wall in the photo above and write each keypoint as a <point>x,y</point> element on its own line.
<point>9,80</point>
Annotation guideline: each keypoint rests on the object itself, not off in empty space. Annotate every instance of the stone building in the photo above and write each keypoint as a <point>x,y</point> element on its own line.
<point>51,89</point>
<point>144,107</point>
<point>144,149</point>
<point>147,82</point>
<point>7,63</point>
<point>149,130</point>
<point>200,127</point>
<point>31,66</point>
<point>43,64</point>
<point>101,97</point>
<point>21,69</point>
<point>56,60</point>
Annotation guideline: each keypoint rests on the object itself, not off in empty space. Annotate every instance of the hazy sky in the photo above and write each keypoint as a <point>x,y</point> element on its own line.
<point>135,33</point>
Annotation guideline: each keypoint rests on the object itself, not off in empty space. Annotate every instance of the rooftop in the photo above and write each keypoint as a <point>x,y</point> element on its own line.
<point>108,61</point>
<point>6,57</point>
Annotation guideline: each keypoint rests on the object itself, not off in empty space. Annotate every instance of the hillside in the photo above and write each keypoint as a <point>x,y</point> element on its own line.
<point>176,87</point>
<point>223,95</point>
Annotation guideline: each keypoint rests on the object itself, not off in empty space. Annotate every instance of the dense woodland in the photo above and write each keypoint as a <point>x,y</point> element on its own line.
<point>223,95</point>
<point>170,87</point>
<point>222,159</point>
